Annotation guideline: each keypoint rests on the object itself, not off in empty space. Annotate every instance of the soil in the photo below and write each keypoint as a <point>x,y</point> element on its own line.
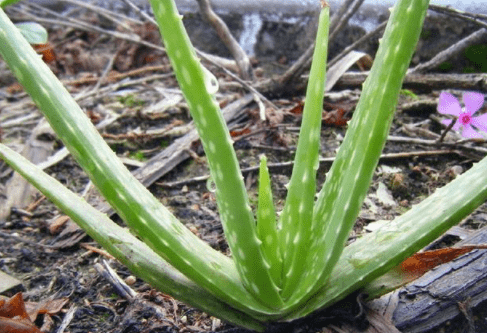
<point>51,266</point>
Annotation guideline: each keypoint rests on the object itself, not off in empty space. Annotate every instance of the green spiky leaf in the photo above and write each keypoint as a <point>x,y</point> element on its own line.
<point>267,224</point>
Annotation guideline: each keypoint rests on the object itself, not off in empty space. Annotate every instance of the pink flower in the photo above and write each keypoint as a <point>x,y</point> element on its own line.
<point>448,104</point>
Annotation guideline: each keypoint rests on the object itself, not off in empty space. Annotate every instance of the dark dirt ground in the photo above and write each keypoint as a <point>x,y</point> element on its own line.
<point>51,268</point>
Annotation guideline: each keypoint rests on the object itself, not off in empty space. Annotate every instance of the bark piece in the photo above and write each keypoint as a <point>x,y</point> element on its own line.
<point>437,296</point>
<point>425,82</point>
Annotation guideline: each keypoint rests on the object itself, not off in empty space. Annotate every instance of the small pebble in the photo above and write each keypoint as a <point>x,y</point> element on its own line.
<point>130,280</point>
<point>456,170</point>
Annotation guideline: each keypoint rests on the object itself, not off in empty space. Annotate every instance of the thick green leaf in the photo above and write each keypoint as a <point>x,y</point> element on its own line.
<point>199,86</point>
<point>152,222</point>
<point>376,253</point>
<point>297,214</point>
<point>267,224</point>
<point>348,180</point>
<point>5,3</point>
<point>133,253</point>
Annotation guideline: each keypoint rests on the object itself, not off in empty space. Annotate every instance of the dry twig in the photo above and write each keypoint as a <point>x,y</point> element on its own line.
<point>325,160</point>
<point>226,37</point>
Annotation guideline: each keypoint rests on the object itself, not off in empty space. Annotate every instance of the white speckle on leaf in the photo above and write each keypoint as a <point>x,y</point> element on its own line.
<point>187,262</point>
<point>44,91</point>
<point>255,288</point>
<point>269,240</point>
<point>200,110</point>
<point>211,83</point>
<point>318,88</point>
<point>397,49</point>
<point>186,76</point>
<point>241,253</point>
<point>297,238</point>
<point>212,147</point>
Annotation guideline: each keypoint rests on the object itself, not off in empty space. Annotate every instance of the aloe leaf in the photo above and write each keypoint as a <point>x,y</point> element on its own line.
<point>298,210</point>
<point>198,86</point>
<point>376,253</point>
<point>349,178</point>
<point>152,222</point>
<point>5,3</point>
<point>267,224</point>
<point>133,253</point>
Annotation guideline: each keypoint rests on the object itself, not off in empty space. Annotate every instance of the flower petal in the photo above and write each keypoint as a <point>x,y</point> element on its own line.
<point>480,122</point>
<point>446,122</point>
<point>469,132</point>
<point>473,101</point>
<point>457,126</point>
<point>448,104</point>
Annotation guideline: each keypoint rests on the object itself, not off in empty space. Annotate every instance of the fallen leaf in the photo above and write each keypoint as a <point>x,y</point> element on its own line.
<point>9,325</point>
<point>50,307</point>
<point>236,133</point>
<point>298,108</point>
<point>421,262</point>
<point>14,317</point>
<point>414,267</point>
<point>335,118</point>
<point>8,282</point>
<point>47,52</point>
<point>13,307</point>
<point>384,195</point>
<point>17,316</point>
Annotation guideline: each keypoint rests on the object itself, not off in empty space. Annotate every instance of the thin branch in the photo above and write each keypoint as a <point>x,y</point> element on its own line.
<point>343,20</point>
<point>226,37</point>
<point>339,14</point>
<point>324,160</point>
<point>337,22</point>
<point>77,24</point>
<point>354,45</point>
<point>475,38</point>
<point>210,58</point>
<point>113,16</point>
<point>447,10</point>
<point>447,129</point>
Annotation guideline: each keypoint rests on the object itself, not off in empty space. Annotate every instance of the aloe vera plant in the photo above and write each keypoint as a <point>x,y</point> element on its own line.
<point>281,268</point>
